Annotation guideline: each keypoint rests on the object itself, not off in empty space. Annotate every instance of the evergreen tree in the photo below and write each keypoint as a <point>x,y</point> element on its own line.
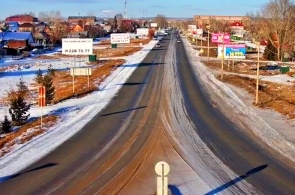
<point>6,125</point>
<point>51,71</point>
<point>23,89</point>
<point>50,89</point>
<point>39,77</point>
<point>19,110</point>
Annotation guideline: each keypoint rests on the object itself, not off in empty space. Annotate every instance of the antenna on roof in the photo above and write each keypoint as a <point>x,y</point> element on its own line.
<point>125,9</point>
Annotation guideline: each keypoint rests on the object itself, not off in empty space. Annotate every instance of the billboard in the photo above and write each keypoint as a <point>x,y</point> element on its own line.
<point>154,25</point>
<point>81,71</point>
<point>192,28</point>
<point>232,51</point>
<point>142,31</point>
<point>120,38</point>
<point>76,46</point>
<point>220,37</point>
<point>199,31</point>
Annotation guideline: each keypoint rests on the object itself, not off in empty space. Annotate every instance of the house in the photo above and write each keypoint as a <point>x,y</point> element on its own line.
<point>14,42</point>
<point>42,33</point>
<point>84,19</point>
<point>12,26</point>
<point>22,18</point>
<point>83,34</point>
<point>77,28</point>
<point>26,27</point>
<point>237,29</point>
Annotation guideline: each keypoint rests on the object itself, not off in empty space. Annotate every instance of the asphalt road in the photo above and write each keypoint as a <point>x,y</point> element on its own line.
<point>269,172</point>
<point>87,162</point>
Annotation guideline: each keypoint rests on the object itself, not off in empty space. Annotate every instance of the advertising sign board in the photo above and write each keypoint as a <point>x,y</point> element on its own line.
<point>218,37</point>
<point>232,51</point>
<point>120,38</point>
<point>142,31</point>
<point>81,71</point>
<point>199,31</point>
<point>76,46</point>
<point>192,28</point>
<point>153,25</point>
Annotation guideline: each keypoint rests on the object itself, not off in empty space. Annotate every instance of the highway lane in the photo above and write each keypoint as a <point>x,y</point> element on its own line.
<point>266,170</point>
<point>86,163</point>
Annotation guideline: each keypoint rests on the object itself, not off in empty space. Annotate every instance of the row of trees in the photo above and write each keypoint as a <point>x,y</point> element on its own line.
<point>18,100</point>
<point>275,22</point>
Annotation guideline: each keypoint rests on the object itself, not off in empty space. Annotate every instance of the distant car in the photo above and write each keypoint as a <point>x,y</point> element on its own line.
<point>155,38</point>
<point>178,41</point>
<point>158,45</point>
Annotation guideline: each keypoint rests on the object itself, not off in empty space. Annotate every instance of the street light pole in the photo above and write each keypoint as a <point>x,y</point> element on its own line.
<point>222,52</point>
<point>208,46</point>
<point>258,67</point>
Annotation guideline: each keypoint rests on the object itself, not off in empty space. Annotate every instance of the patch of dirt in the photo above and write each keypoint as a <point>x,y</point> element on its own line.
<point>116,52</point>
<point>242,67</point>
<point>271,95</point>
<point>133,42</point>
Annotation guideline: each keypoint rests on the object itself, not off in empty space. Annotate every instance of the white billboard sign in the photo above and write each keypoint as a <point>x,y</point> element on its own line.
<point>120,38</point>
<point>142,31</point>
<point>76,46</point>
<point>81,71</point>
<point>153,25</point>
<point>199,31</point>
<point>192,28</point>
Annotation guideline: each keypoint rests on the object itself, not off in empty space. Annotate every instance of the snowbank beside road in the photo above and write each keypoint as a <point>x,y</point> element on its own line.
<point>242,112</point>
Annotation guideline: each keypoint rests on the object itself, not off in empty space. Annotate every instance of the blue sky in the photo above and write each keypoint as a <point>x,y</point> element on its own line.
<point>135,8</point>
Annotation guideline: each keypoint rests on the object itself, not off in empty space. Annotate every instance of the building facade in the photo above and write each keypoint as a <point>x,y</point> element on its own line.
<point>202,20</point>
<point>22,19</point>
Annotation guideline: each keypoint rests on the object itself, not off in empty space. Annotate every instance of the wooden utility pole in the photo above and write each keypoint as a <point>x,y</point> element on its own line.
<point>258,67</point>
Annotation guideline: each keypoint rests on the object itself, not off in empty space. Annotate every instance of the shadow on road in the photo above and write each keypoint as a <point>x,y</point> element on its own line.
<point>141,64</point>
<point>6,178</point>
<point>119,112</point>
<point>131,83</point>
<point>236,180</point>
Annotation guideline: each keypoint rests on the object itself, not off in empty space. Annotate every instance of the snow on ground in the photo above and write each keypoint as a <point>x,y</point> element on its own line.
<point>262,122</point>
<point>75,113</point>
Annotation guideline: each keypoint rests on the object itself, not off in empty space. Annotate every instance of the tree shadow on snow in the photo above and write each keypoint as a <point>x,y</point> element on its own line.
<point>236,180</point>
<point>6,178</point>
<point>174,190</point>
<point>119,112</point>
<point>140,65</point>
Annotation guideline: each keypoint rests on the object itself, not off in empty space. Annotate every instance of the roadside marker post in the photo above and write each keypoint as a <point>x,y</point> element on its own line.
<point>42,100</point>
<point>162,169</point>
<point>257,72</point>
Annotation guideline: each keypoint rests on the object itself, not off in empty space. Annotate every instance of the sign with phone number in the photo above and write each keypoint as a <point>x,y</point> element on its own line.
<point>232,51</point>
<point>76,46</point>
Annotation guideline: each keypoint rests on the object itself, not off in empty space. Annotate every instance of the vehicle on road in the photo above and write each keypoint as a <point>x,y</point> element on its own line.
<point>158,45</point>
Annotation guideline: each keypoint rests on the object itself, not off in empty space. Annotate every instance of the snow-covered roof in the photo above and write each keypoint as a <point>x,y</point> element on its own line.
<point>6,36</point>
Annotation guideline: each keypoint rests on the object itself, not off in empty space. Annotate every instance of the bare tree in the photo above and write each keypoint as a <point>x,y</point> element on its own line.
<point>161,21</point>
<point>276,24</point>
<point>57,28</point>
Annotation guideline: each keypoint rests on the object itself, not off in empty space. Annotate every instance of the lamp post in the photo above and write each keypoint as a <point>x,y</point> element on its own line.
<point>258,67</point>
<point>208,45</point>
<point>222,53</point>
